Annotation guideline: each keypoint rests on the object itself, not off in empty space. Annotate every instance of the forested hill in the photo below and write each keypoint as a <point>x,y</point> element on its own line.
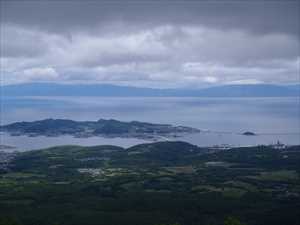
<point>163,183</point>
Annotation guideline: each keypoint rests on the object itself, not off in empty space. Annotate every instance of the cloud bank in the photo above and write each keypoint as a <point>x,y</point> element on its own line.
<point>150,44</point>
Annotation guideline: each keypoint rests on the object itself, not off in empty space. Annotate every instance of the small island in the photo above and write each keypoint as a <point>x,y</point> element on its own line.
<point>249,133</point>
<point>102,127</point>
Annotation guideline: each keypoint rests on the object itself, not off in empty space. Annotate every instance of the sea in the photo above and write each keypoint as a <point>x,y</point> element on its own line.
<point>221,120</point>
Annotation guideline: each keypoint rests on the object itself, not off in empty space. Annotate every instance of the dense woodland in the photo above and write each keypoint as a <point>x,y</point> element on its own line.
<point>163,183</point>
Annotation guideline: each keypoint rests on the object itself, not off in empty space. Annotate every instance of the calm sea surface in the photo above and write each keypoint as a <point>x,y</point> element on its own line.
<point>222,119</point>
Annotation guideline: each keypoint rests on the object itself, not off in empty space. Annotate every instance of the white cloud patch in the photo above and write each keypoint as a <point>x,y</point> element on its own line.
<point>46,73</point>
<point>210,79</point>
<point>247,81</point>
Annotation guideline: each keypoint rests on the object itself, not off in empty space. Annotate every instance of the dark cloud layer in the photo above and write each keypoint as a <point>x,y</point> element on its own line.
<point>253,16</point>
<point>147,43</point>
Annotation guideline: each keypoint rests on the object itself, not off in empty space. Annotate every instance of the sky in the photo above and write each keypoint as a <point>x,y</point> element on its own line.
<point>150,43</point>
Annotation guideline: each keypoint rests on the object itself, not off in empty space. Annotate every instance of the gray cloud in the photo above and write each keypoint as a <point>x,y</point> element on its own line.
<point>257,16</point>
<point>158,43</point>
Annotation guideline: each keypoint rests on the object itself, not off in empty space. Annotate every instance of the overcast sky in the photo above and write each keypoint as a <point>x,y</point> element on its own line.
<point>153,44</point>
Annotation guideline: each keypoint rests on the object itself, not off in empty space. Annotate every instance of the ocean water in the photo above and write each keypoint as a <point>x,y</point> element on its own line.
<point>221,119</point>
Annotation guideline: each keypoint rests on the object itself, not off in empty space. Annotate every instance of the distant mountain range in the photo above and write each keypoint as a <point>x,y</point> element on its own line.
<point>52,89</point>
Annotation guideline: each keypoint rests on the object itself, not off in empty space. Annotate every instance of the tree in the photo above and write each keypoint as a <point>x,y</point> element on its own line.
<point>232,221</point>
<point>8,221</point>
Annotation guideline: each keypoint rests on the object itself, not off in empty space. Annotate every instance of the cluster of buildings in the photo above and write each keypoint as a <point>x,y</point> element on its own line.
<point>5,158</point>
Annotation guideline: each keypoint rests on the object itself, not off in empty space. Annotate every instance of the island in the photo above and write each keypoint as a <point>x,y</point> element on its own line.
<point>102,127</point>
